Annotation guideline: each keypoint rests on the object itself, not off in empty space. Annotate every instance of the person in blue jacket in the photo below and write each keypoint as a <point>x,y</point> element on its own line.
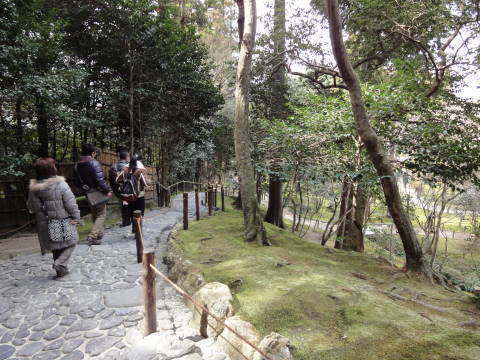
<point>89,172</point>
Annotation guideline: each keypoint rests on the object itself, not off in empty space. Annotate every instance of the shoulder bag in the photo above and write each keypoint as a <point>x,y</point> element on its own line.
<point>94,197</point>
<point>59,230</point>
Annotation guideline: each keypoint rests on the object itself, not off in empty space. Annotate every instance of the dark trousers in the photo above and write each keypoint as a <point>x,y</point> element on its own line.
<point>126,214</point>
<point>62,256</point>
<point>138,204</point>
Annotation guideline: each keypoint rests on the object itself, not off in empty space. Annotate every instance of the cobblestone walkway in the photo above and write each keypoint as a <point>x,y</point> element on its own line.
<point>96,310</point>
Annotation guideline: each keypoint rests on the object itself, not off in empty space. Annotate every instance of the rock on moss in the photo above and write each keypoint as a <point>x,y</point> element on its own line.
<point>231,344</point>
<point>275,346</point>
<point>219,301</point>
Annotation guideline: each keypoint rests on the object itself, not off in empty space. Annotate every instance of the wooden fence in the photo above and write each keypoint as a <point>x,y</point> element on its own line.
<point>14,191</point>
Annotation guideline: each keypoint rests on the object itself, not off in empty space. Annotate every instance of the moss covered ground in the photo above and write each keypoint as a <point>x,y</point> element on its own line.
<point>332,304</point>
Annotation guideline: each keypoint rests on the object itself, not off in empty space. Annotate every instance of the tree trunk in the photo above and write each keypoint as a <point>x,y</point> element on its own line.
<point>353,236</point>
<point>254,230</point>
<point>300,205</point>
<point>352,213</point>
<point>345,208</point>
<point>237,203</point>
<point>361,201</point>
<point>415,260</point>
<point>275,206</point>
<point>130,104</point>
<point>280,110</point>
<point>19,129</point>
<point>74,146</point>
<point>258,187</point>
<point>240,21</point>
<point>54,140</point>
<point>42,128</point>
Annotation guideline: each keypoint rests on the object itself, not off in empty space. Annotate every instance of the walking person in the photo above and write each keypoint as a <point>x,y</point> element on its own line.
<point>56,213</point>
<point>115,170</point>
<point>132,183</point>
<point>89,177</point>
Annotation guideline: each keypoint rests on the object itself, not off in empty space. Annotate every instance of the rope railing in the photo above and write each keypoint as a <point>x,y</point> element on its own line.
<point>162,200</point>
<point>205,184</point>
<point>148,260</point>
<point>205,310</point>
<point>11,232</point>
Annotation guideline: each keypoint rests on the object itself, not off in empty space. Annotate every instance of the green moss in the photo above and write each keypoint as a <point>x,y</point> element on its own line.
<point>308,293</point>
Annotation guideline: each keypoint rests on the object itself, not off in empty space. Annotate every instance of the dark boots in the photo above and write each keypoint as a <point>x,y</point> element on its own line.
<point>61,270</point>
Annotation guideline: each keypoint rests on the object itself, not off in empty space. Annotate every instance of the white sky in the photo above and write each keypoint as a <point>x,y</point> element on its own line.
<point>471,90</point>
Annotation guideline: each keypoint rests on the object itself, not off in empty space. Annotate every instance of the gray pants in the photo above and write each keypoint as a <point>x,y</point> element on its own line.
<point>99,214</point>
<point>62,256</point>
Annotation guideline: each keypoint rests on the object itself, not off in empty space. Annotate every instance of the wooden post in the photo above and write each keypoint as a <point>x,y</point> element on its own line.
<point>204,323</point>
<point>206,196</point>
<point>137,221</point>
<point>159,195</point>
<point>185,211</point>
<point>197,204</point>
<point>210,200</point>
<point>167,197</point>
<point>149,296</point>
<point>223,198</point>
<point>215,196</point>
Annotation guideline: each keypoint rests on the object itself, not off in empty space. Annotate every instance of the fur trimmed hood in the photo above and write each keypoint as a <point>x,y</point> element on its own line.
<point>36,185</point>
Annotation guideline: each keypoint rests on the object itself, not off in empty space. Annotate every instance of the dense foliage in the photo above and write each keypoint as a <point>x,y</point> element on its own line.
<point>117,73</point>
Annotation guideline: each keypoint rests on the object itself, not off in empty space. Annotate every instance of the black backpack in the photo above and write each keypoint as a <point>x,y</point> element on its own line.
<point>113,174</point>
<point>129,188</point>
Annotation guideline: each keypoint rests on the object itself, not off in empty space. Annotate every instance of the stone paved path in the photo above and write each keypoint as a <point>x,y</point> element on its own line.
<point>96,310</point>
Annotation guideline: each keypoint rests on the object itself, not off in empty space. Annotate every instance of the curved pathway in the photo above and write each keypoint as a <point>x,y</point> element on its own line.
<point>96,311</point>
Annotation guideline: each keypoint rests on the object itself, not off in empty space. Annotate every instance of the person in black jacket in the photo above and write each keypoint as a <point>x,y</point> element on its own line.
<point>89,172</point>
<point>115,170</point>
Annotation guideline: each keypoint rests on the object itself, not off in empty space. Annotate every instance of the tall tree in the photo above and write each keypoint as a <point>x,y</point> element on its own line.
<point>415,260</point>
<point>254,229</point>
<point>275,205</point>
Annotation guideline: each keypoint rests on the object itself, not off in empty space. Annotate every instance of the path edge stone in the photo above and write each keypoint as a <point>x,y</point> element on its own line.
<point>180,270</point>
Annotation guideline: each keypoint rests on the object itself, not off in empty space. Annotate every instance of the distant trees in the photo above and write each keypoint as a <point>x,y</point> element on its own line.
<point>407,62</point>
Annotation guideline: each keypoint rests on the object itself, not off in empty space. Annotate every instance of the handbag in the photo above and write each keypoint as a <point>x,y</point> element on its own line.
<point>59,230</point>
<point>94,197</point>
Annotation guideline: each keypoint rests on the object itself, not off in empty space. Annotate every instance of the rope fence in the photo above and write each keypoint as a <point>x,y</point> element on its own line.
<point>150,270</point>
<point>206,311</point>
<point>164,194</point>
<point>212,194</point>
<point>11,232</point>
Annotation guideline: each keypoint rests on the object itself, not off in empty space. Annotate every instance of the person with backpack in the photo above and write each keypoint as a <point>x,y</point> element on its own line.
<point>116,170</point>
<point>89,177</point>
<point>132,182</point>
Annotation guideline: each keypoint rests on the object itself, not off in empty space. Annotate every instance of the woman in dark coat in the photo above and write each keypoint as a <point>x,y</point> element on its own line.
<point>51,196</point>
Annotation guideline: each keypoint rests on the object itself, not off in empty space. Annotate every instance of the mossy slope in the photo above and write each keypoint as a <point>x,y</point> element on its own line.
<point>332,304</point>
